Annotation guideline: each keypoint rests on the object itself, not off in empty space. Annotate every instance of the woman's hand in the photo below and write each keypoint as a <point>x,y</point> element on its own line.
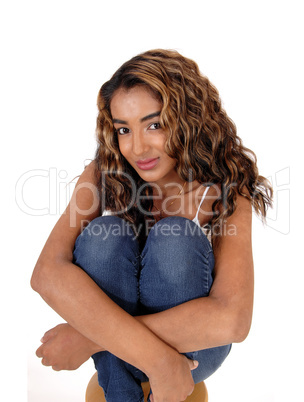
<point>64,348</point>
<point>173,383</point>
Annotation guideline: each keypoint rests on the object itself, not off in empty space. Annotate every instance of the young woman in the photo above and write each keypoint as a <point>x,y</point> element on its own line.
<point>151,264</point>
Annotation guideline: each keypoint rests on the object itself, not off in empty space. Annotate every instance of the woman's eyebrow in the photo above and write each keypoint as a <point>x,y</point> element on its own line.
<point>149,116</point>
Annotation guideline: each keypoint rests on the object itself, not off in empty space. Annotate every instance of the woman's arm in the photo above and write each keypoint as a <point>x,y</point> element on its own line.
<point>221,318</point>
<point>225,315</point>
<point>76,297</point>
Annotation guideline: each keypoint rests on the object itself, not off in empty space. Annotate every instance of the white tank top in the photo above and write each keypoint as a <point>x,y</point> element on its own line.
<point>195,220</point>
<point>204,228</point>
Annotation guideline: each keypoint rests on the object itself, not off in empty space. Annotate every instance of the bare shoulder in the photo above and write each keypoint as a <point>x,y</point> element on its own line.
<point>236,229</point>
<point>90,172</point>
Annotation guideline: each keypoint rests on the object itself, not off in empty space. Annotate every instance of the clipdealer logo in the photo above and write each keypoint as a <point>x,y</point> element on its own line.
<point>57,190</point>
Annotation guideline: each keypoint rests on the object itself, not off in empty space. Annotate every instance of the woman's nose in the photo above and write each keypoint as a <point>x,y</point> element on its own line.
<point>139,144</point>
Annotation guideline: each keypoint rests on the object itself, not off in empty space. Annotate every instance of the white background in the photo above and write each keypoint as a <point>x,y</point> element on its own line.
<point>55,56</point>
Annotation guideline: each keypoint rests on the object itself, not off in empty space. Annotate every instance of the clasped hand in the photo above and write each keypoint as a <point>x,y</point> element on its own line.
<point>64,348</point>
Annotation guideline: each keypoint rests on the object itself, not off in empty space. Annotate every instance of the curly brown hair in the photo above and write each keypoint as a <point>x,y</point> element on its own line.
<point>201,137</point>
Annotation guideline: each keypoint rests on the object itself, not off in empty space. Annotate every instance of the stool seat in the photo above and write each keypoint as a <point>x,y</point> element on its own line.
<point>94,392</point>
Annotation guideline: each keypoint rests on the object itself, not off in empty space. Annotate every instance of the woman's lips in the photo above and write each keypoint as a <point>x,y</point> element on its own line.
<point>147,164</point>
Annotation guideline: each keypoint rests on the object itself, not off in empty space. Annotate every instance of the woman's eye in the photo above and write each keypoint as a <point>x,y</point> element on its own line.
<point>122,130</point>
<point>154,126</point>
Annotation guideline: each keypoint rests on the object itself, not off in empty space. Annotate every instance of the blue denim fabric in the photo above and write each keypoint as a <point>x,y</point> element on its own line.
<point>175,266</point>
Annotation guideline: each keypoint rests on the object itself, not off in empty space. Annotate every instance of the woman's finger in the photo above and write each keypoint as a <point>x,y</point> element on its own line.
<point>49,334</point>
<point>45,362</point>
<point>39,352</point>
<point>193,364</point>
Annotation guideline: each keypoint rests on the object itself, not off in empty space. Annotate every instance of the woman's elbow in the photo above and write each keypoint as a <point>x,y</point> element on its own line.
<point>241,326</point>
<point>41,278</point>
<point>37,277</point>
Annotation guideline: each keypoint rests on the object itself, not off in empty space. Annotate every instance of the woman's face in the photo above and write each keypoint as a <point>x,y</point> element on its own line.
<point>135,113</point>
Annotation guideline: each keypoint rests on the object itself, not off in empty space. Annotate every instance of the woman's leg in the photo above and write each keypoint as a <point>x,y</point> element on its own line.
<point>177,266</point>
<point>108,252</point>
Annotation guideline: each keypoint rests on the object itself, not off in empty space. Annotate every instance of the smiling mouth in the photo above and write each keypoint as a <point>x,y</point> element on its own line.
<point>147,164</point>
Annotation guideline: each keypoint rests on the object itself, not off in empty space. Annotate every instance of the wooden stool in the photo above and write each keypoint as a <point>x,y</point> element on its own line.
<point>94,392</point>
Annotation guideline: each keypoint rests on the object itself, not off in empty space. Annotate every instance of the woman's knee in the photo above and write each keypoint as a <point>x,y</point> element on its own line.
<point>104,237</point>
<point>177,264</point>
<point>177,243</point>
<point>107,251</point>
<point>177,232</point>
